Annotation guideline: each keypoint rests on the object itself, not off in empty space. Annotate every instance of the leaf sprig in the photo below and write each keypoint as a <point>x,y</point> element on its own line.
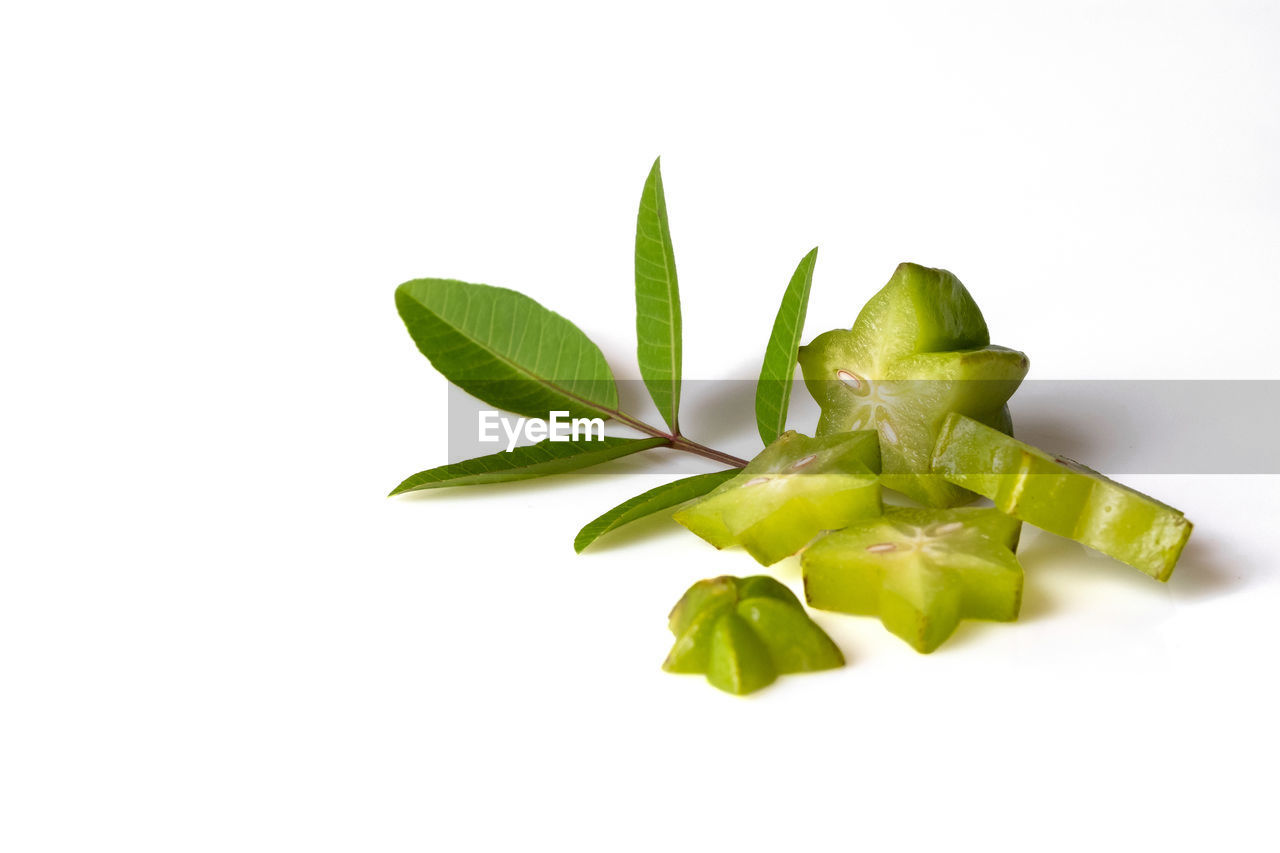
<point>920,570</point>
<point>511,352</point>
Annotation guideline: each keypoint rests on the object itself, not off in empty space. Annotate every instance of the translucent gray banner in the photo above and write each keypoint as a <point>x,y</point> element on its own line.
<point>1117,426</point>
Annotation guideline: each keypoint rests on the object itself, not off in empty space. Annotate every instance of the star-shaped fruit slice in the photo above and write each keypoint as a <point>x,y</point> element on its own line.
<point>795,489</point>
<point>919,350</point>
<point>1062,496</point>
<point>920,570</point>
<point>742,633</point>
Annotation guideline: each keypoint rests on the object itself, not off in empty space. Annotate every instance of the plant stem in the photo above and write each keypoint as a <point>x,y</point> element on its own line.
<point>679,442</point>
<point>682,443</point>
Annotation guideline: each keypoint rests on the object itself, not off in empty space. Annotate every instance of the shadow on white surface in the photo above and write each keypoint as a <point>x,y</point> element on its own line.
<point>1207,569</point>
<point>1053,563</point>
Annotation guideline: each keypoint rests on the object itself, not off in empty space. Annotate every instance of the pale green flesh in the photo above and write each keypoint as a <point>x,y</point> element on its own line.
<point>739,662</point>
<point>742,633</point>
<point>918,351</point>
<point>920,570</point>
<point>795,489</point>
<point>1062,496</point>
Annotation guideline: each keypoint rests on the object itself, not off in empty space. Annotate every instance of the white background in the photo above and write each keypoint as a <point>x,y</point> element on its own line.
<point>217,634</point>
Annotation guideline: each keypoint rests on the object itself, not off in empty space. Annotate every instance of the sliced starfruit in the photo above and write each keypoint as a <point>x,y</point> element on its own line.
<point>795,489</point>
<point>1062,496</point>
<point>918,351</point>
<point>742,633</point>
<point>920,570</point>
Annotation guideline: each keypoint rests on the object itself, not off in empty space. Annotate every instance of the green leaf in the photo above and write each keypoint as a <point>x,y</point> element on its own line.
<point>524,463</point>
<point>506,349</point>
<point>654,500</point>
<point>657,301</point>
<point>773,391</point>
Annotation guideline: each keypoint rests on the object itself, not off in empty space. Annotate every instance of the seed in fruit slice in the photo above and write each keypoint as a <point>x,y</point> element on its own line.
<point>742,633</point>
<point>918,351</point>
<point>920,570</point>
<point>1062,496</point>
<point>795,489</point>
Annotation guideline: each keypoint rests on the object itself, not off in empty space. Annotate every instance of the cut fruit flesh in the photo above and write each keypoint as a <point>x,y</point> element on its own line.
<point>903,463</point>
<point>918,351</point>
<point>1062,496</point>
<point>920,570</point>
<point>795,489</point>
<point>978,381</point>
<point>742,633</point>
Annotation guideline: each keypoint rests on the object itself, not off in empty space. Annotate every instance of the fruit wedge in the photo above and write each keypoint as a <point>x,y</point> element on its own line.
<point>742,633</point>
<point>795,489</point>
<point>918,351</point>
<point>1062,496</point>
<point>920,570</point>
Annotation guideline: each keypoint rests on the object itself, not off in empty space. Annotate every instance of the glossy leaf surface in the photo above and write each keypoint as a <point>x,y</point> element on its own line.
<point>525,463</point>
<point>658,324</point>
<point>506,349</point>
<point>655,500</point>
<point>773,390</point>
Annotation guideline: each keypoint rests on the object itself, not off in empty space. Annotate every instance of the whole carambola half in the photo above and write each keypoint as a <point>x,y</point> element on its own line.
<point>795,489</point>
<point>1062,496</point>
<point>920,570</point>
<point>742,633</point>
<point>918,350</point>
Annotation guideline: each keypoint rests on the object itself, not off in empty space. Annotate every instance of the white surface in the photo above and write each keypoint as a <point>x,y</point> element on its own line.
<point>215,632</point>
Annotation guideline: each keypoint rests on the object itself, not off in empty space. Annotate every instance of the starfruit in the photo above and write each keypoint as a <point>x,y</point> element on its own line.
<point>1062,496</point>
<point>742,633</point>
<point>920,570</point>
<point>795,489</point>
<point>918,350</point>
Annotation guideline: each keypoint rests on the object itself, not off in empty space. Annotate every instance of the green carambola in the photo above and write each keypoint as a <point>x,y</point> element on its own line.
<point>1062,496</point>
<point>918,350</point>
<point>920,570</point>
<point>742,633</point>
<point>795,489</point>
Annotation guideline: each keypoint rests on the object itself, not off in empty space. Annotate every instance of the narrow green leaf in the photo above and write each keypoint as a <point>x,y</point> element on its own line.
<point>657,301</point>
<point>524,463</point>
<point>773,391</point>
<point>654,500</point>
<point>506,349</point>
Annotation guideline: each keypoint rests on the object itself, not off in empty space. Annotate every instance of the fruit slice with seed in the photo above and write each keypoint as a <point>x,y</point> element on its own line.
<point>920,570</point>
<point>742,633</point>
<point>918,351</point>
<point>905,402</point>
<point>1062,496</point>
<point>904,460</point>
<point>795,489</point>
